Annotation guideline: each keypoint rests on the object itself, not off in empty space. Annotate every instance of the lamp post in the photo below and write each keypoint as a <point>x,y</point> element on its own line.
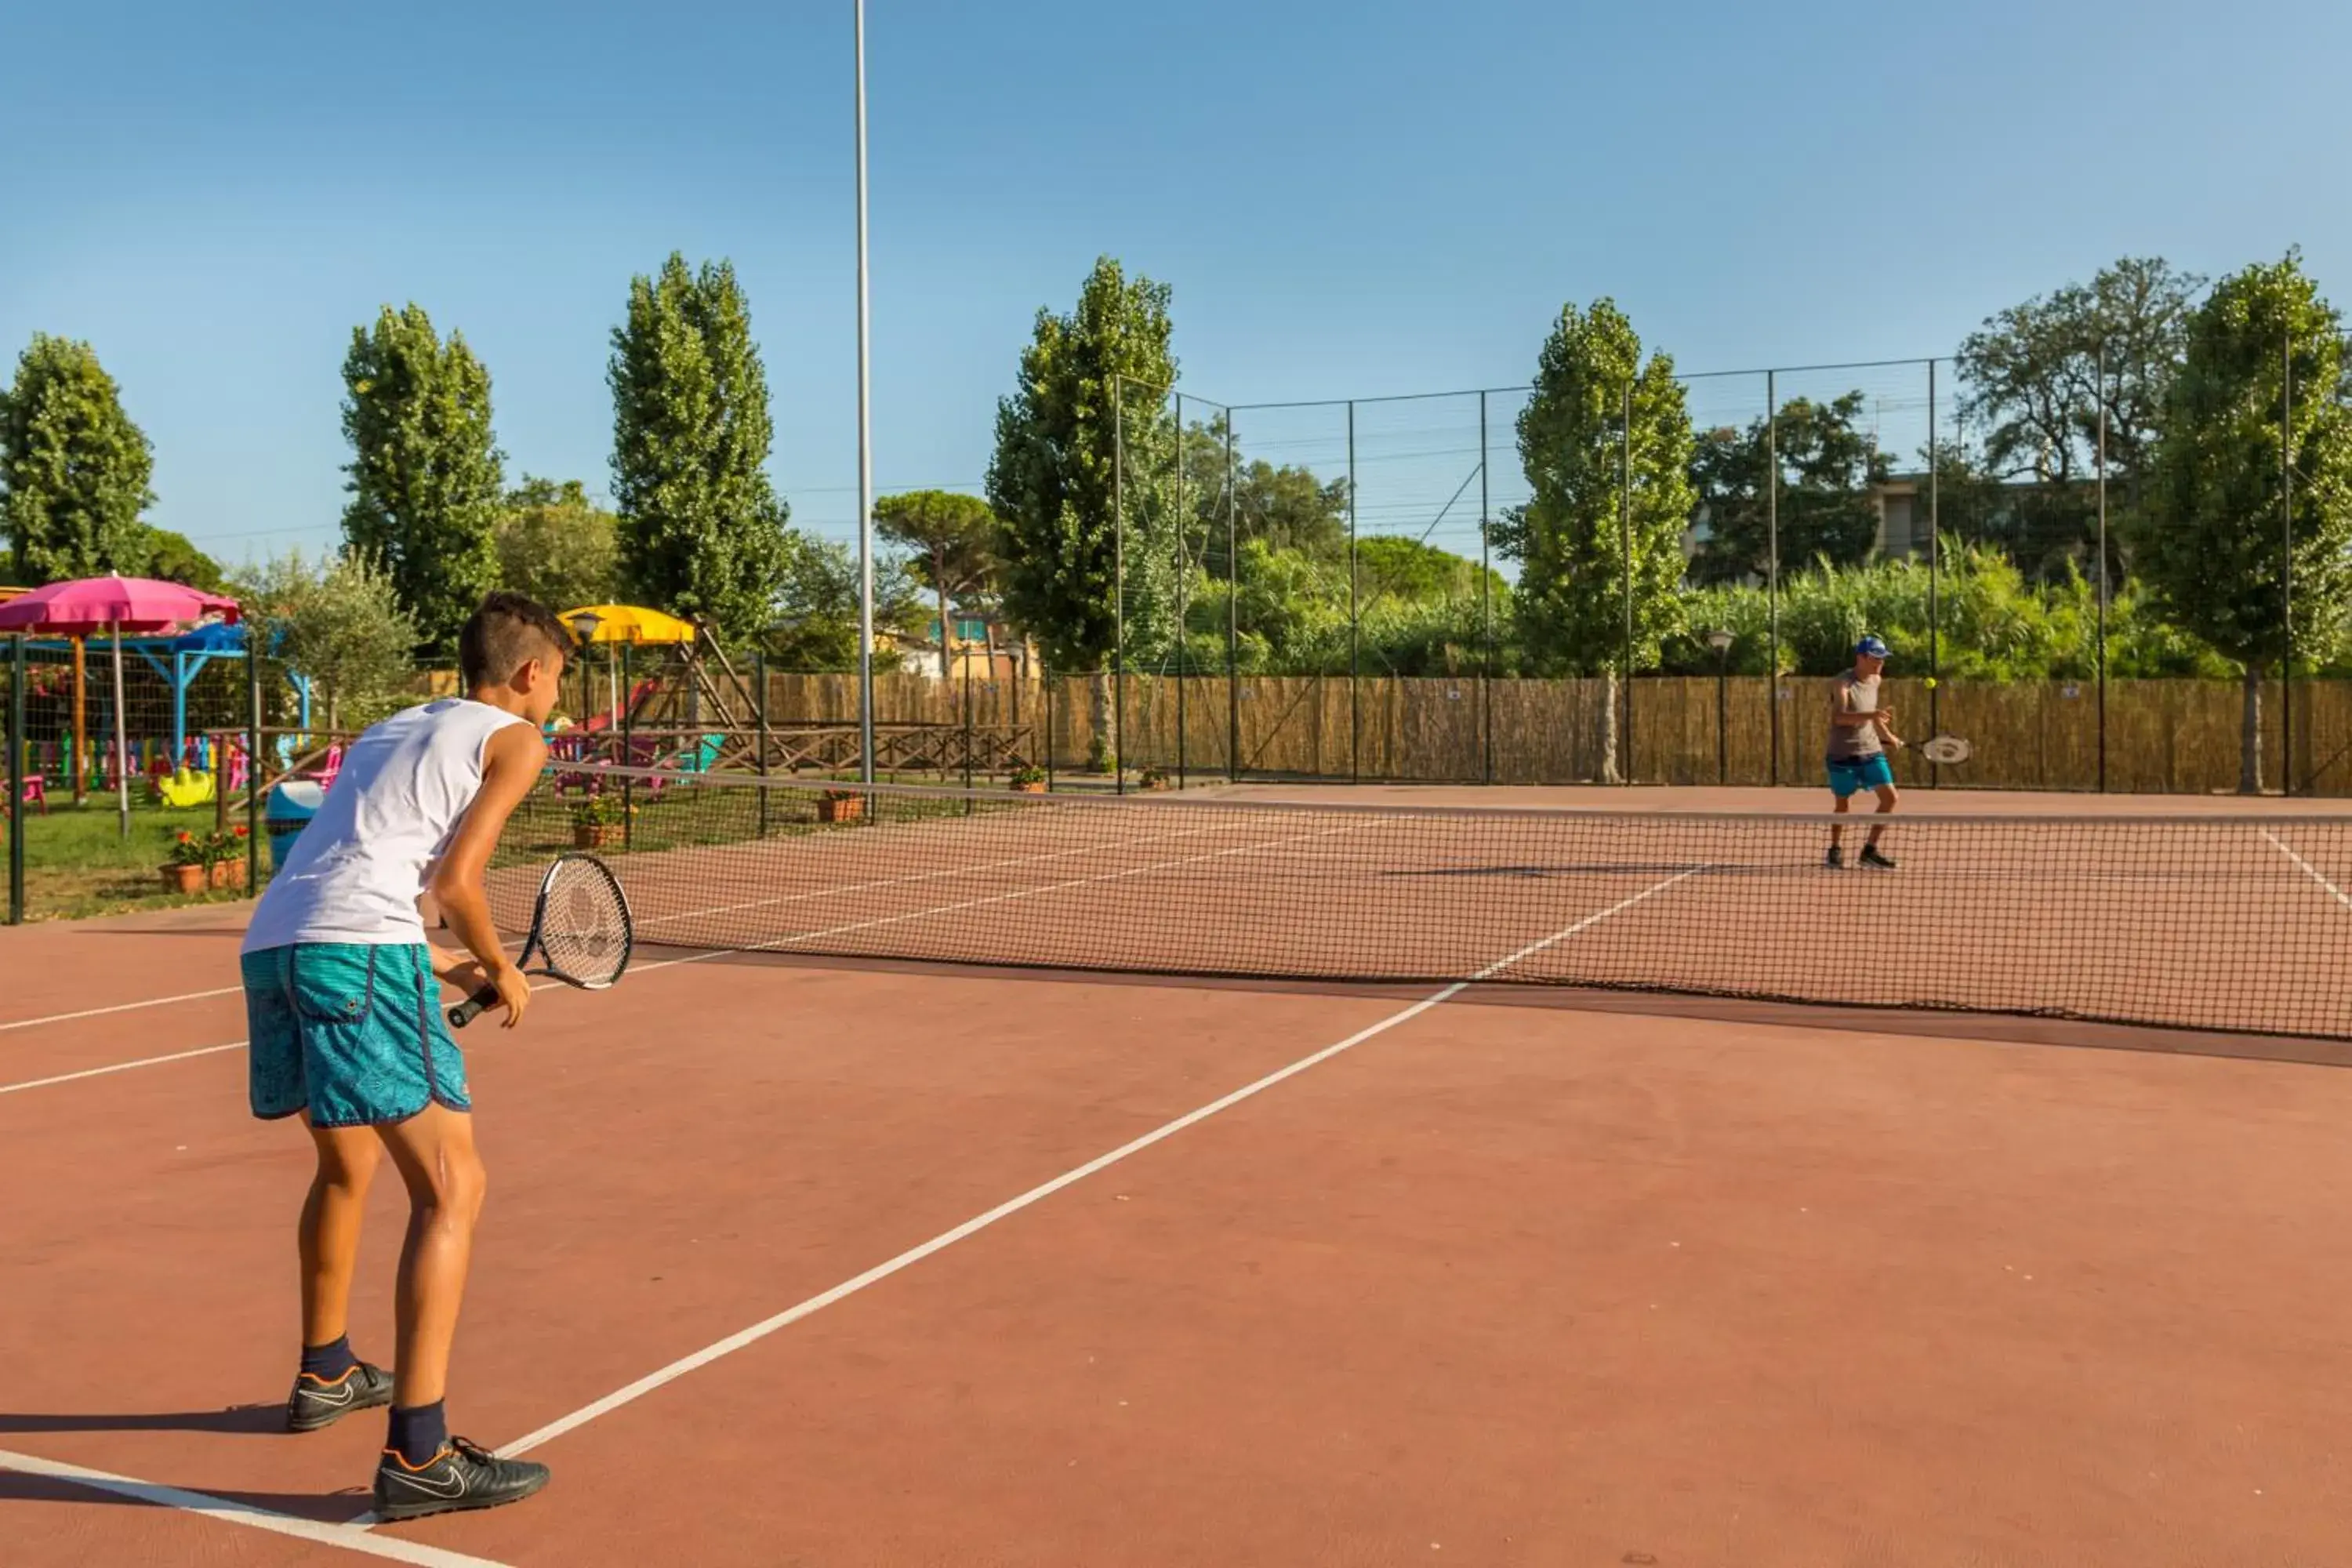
<point>583,626</point>
<point>1721,641</point>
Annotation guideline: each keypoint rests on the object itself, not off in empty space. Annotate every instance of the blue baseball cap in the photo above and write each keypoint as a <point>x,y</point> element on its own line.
<point>1873,646</point>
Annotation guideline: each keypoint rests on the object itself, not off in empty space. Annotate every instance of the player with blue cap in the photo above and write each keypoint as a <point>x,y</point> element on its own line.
<point>1861,731</point>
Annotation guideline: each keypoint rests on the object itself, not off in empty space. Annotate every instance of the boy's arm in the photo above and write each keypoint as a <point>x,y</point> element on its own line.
<point>510,765</point>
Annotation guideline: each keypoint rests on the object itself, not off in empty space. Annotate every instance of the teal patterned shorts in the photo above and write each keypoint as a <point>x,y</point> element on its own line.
<point>352,1033</point>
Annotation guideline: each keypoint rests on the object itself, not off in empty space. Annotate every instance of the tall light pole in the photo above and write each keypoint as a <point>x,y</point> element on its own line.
<point>864,450</point>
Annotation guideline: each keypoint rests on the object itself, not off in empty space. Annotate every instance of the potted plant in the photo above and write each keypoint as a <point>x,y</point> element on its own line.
<point>840,805</point>
<point>226,867</point>
<point>185,872</point>
<point>1156,778</point>
<point>596,820</point>
<point>1029,779</point>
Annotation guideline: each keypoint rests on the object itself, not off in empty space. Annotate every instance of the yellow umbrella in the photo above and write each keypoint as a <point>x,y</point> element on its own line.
<point>626,623</point>
<point>623,624</point>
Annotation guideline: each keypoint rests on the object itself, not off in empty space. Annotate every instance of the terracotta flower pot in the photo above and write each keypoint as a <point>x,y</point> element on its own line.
<point>228,874</point>
<point>840,807</point>
<point>1030,786</point>
<point>183,878</point>
<point>595,834</point>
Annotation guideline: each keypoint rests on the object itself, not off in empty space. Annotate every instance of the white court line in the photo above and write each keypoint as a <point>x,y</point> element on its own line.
<point>120,1007</point>
<point>342,1536</point>
<point>119,1066</point>
<point>950,871</point>
<point>1014,896</point>
<point>978,1223</point>
<point>2307,868</point>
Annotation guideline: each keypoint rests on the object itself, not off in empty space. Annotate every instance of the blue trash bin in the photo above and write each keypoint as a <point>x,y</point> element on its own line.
<point>292,804</point>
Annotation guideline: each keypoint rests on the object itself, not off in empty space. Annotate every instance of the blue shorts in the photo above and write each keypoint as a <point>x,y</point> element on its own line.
<point>352,1033</point>
<point>1852,775</point>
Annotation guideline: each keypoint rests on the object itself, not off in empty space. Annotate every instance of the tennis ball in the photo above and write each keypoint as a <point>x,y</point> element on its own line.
<point>1931,683</point>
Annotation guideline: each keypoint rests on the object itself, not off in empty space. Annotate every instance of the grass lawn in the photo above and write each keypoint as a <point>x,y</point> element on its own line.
<point>76,863</point>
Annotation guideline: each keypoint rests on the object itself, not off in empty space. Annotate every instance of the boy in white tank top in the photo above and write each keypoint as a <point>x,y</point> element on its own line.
<point>347,1031</point>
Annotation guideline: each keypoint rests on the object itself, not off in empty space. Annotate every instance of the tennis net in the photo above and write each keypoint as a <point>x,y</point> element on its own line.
<point>2236,923</point>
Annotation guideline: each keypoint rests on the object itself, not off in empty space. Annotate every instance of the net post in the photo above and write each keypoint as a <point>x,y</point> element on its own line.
<point>1486,611</point>
<point>2101,622</point>
<point>1772,560</point>
<point>252,761</point>
<point>1625,556</point>
<point>15,814</point>
<point>1934,582</point>
<point>1233,610</point>
<point>1184,585</point>
<point>1118,584</point>
<point>1355,638</point>
<point>628,746</point>
<point>760,721</point>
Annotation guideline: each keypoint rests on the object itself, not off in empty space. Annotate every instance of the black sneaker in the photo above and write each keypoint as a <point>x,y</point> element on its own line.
<point>461,1476</point>
<point>1834,859</point>
<point>316,1402</point>
<point>1875,856</point>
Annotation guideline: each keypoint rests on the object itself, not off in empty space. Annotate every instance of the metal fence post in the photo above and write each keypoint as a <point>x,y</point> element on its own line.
<point>1625,552</point>
<point>1772,559</point>
<point>628,746</point>
<point>1233,610</point>
<point>1118,585</point>
<point>252,762</point>
<point>1935,578</point>
<point>1355,723</point>
<point>759,720</point>
<point>1184,585</point>
<point>2103,566</point>
<point>15,814</point>
<point>2286,559</point>
<point>1486,611</point>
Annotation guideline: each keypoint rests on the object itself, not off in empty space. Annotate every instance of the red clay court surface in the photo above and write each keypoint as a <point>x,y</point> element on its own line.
<point>1495,1276</point>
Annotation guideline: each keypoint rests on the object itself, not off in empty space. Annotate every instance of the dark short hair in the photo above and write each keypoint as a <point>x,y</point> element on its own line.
<point>505,633</point>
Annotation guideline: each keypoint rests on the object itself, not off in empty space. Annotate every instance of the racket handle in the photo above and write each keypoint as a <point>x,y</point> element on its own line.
<point>473,1006</point>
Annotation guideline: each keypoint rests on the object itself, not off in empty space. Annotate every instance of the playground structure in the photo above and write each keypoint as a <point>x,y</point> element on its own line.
<point>183,703</point>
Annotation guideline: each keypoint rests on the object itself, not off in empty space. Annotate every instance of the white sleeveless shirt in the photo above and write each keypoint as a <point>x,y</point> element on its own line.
<point>357,870</point>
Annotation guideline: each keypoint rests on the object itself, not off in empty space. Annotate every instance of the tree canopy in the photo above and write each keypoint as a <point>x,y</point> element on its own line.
<point>427,474</point>
<point>951,542</point>
<point>2213,545</point>
<point>702,533</point>
<point>1091,381</point>
<point>1569,540</point>
<point>558,546</point>
<point>75,471</point>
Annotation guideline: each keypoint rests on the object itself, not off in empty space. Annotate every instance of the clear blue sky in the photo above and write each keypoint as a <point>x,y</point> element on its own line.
<point>1365,199</point>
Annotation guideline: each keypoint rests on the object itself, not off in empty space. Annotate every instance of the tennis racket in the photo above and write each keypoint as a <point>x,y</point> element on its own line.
<point>580,933</point>
<point>1945,751</point>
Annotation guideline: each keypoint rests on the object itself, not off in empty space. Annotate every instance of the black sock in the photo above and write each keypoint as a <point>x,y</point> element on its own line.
<point>419,1433</point>
<point>329,1362</point>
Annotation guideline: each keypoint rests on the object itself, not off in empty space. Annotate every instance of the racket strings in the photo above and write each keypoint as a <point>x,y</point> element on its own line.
<point>584,928</point>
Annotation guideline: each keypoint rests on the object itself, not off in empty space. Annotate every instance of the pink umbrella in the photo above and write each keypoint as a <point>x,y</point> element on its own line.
<point>114,605</point>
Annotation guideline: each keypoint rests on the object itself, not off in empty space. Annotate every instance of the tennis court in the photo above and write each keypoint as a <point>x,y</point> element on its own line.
<point>1252,1180</point>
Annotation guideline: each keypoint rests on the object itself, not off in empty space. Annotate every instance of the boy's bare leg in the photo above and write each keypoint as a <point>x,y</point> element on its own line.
<point>425,1470</point>
<point>1837,829</point>
<point>433,1152</point>
<point>329,1237</point>
<point>1886,801</point>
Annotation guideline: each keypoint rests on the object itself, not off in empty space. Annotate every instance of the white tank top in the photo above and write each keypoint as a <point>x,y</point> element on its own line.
<point>358,867</point>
